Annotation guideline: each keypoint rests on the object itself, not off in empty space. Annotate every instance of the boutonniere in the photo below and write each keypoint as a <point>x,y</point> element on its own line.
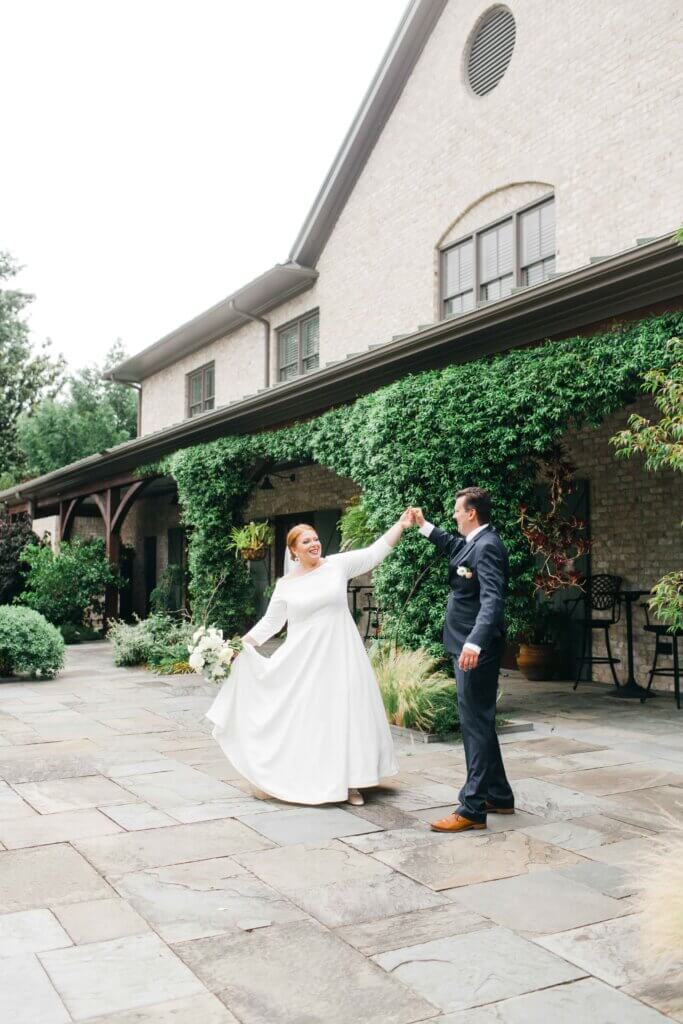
<point>465,571</point>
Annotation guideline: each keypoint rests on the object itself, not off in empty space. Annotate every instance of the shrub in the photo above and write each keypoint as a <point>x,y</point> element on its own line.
<point>157,641</point>
<point>15,534</point>
<point>28,643</point>
<point>164,598</point>
<point>412,690</point>
<point>68,586</point>
<point>78,634</point>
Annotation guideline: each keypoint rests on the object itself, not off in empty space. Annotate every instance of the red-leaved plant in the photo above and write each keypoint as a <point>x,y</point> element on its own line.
<point>558,538</point>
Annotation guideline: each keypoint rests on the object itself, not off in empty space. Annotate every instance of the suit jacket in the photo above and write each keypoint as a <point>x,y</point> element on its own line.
<point>475,612</point>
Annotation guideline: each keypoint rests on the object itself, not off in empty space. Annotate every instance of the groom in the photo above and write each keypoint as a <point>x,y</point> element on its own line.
<point>474,634</point>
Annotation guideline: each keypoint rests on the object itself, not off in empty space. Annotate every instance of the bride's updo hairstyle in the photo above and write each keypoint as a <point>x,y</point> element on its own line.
<point>295,533</point>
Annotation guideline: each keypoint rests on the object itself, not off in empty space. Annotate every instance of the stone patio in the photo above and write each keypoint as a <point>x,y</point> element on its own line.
<point>142,883</point>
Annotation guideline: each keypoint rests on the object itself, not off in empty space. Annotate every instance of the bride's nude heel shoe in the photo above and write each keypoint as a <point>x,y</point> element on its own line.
<point>355,797</point>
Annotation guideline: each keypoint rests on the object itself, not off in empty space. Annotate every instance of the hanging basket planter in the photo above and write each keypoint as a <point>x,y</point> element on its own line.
<point>252,541</point>
<point>254,554</point>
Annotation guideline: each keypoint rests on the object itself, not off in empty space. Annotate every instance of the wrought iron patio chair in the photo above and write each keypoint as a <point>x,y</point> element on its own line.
<point>666,643</point>
<point>601,610</point>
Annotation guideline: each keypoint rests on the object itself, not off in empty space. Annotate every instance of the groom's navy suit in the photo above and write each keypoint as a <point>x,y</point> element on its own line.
<point>475,614</point>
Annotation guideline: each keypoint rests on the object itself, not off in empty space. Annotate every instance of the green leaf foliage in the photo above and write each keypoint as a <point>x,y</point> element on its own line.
<point>417,441</point>
<point>354,527</point>
<point>94,414</point>
<point>29,644</point>
<point>661,445</point>
<point>15,534</point>
<point>25,374</point>
<point>67,587</point>
<point>156,641</point>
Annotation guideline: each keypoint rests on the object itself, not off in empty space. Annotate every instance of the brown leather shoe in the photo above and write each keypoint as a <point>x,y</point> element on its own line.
<point>455,823</point>
<point>492,809</point>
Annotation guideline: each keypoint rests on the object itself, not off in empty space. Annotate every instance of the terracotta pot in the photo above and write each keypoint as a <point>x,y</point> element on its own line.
<point>254,554</point>
<point>536,661</point>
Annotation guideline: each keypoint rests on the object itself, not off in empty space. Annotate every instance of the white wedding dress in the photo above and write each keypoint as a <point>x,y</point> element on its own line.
<point>308,724</point>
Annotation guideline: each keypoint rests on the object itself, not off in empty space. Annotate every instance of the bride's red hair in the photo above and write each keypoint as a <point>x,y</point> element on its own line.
<point>295,533</point>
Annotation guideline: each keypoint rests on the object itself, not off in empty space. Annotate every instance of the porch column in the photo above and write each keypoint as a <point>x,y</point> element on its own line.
<point>108,504</point>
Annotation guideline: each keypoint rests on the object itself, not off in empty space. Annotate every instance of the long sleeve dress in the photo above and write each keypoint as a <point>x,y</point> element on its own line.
<point>308,724</point>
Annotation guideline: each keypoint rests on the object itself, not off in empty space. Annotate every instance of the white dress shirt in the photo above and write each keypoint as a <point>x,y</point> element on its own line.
<point>425,530</point>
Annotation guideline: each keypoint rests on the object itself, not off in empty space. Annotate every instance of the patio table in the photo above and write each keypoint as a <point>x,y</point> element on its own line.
<point>631,689</point>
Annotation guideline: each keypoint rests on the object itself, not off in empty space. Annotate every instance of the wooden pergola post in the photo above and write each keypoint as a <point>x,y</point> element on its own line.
<point>114,503</point>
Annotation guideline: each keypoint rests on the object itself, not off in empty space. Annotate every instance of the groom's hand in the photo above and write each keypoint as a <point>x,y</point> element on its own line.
<point>468,660</point>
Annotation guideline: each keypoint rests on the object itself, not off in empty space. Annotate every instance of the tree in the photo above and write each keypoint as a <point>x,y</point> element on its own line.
<point>25,374</point>
<point>95,414</point>
<point>661,445</point>
<point>15,534</point>
<point>68,588</point>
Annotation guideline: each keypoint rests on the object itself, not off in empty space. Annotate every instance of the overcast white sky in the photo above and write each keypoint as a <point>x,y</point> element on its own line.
<point>158,154</point>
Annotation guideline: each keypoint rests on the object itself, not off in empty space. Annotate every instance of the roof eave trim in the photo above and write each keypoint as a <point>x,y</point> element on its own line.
<point>380,99</point>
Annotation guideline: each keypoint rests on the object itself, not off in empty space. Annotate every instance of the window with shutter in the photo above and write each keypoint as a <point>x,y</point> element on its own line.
<point>537,243</point>
<point>298,347</point>
<point>289,352</point>
<point>201,389</point>
<point>496,278</point>
<point>459,278</point>
<point>310,337</point>
<point>520,250</point>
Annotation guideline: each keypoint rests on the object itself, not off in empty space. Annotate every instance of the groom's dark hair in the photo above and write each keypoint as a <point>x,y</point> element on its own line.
<point>478,499</point>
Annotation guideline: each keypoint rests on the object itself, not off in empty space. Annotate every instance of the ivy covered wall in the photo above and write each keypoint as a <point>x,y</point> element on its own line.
<point>417,441</point>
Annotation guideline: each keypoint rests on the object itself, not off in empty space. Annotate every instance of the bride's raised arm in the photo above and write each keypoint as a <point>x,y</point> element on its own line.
<point>271,623</point>
<point>363,560</point>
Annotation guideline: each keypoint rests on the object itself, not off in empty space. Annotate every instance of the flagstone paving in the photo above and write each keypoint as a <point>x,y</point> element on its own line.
<point>143,882</point>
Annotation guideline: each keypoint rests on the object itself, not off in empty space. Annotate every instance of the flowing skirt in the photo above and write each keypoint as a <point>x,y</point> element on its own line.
<point>307,724</point>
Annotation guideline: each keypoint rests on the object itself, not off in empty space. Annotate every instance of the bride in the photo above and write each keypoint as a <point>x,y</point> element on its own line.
<point>308,724</point>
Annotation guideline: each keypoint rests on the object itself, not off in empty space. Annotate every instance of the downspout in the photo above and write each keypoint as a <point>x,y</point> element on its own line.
<point>129,384</point>
<point>266,338</point>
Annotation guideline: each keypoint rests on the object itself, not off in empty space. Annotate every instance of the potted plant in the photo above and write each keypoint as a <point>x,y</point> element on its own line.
<point>536,654</point>
<point>252,540</point>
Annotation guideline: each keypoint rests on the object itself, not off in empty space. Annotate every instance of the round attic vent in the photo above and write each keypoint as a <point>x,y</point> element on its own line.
<point>490,50</point>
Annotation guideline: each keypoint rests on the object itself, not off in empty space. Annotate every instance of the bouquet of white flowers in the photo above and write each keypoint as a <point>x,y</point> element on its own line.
<point>211,655</point>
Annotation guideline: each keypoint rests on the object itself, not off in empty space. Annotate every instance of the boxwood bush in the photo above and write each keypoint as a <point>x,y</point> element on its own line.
<point>29,643</point>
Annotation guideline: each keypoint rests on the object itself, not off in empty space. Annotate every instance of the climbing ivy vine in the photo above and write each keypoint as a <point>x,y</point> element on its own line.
<point>417,441</point>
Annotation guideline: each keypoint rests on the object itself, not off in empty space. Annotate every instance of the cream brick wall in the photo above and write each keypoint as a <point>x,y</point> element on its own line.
<point>635,528</point>
<point>589,106</point>
<point>314,488</point>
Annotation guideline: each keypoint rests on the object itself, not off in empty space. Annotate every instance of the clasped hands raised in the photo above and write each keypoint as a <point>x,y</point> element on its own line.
<point>412,516</point>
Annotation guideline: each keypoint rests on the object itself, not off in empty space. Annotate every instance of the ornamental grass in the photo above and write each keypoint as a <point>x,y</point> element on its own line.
<point>412,689</point>
<point>661,898</point>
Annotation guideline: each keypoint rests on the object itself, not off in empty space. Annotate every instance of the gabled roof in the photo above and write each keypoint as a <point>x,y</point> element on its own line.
<point>285,280</point>
<point>394,71</point>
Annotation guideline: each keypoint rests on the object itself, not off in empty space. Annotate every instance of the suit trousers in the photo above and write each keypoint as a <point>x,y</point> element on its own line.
<point>486,780</point>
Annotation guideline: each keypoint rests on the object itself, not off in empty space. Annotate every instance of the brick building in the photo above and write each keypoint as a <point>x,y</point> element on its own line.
<point>511,175</point>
